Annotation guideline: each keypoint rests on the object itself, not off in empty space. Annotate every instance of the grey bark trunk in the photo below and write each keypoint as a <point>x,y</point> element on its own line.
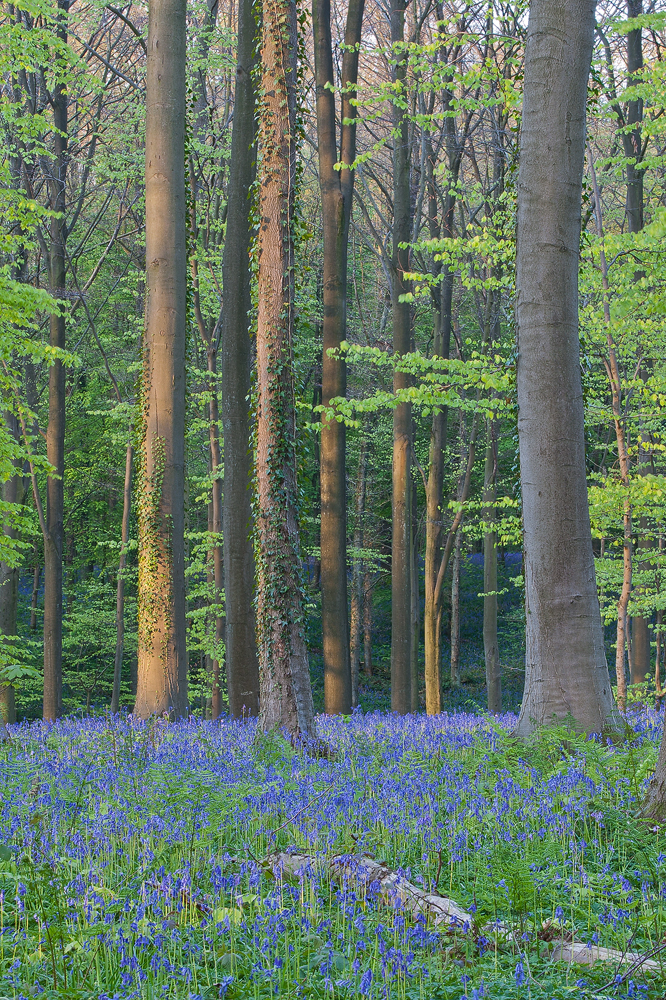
<point>162,666</point>
<point>286,694</point>
<point>401,562</point>
<point>566,671</point>
<point>241,647</point>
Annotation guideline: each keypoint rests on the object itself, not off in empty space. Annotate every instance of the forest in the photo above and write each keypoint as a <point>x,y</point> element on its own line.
<point>333,375</point>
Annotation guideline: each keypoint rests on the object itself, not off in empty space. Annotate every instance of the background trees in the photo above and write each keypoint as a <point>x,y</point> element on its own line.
<point>430,256</point>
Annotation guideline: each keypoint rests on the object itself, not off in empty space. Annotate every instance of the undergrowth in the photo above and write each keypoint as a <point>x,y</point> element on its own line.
<point>133,860</point>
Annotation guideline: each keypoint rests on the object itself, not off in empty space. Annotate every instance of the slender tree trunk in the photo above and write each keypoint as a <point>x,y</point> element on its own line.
<point>640,626</point>
<point>36,573</point>
<point>120,586</point>
<point>490,645</point>
<point>55,433</point>
<point>216,505</point>
<point>286,694</point>
<point>367,624</point>
<point>415,608</point>
<point>455,610</point>
<point>614,380</point>
<point>566,671</point>
<point>357,572</point>
<point>241,648</point>
<point>401,562</point>
<point>162,667</point>
<point>13,491</point>
<point>336,196</point>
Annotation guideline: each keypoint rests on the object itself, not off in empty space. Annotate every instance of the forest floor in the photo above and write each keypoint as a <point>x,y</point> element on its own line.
<point>138,860</point>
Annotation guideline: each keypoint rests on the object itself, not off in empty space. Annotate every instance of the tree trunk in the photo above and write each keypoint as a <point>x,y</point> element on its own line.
<point>615,385</point>
<point>162,667</point>
<point>640,626</point>
<point>12,492</point>
<point>434,514</point>
<point>367,624</point>
<point>455,610</point>
<point>55,433</point>
<point>490,645</point>
<point>120,586</point>
<point>286,694</point>
<point>337,188</point>
<point>216,505</point>
<point>357,572</point>
<point>401,562</point>
<point>36,573</point>
<point>241,648</point>
<point>415,607</point>
<point>566,671</point>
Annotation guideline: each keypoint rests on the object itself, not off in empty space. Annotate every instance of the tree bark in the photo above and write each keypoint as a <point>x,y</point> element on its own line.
<point>120,585</point>
<point>357,571</point>
<point>455,610</point>
<point>286,694</point>
<point>640,626</point>
<point>401,561</point>
<point>13,491</point>
<point>566,671</point>
<point>36,573</point>
<point>415,605</point>
<point>367,624</point>
<point>490,645</point>
<point>615,385</point>
<point>55,432</point>
<point>241,647</point>
<point>337,187</point>
<point>162,667</point>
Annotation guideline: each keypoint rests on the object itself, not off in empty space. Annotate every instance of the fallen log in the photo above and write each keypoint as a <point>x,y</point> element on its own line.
<point>583,954</point>
<point>392,886</point>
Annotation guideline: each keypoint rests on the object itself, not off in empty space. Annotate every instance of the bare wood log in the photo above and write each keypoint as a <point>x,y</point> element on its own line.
<point>580,953</point>
<point>393,887</point>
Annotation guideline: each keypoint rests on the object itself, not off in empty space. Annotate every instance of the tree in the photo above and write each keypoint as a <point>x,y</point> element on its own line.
<point>337,188</point>
<point>55,433</point>
<point>286,695</point>
<point>162,669</point>
<point>566,671</point>
<point>241,648</point>
<point>401,558</point>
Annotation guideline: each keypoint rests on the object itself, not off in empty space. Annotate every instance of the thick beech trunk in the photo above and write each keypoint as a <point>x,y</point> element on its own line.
<point>401,558</point>
<point>55,433</point>
<point>241,647</point>
<point>286,694</point>
<point>337,188</point>
<point>566,671</point>
<point>120,585</point>
<point>162,666</point>
<point>490,645</point>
